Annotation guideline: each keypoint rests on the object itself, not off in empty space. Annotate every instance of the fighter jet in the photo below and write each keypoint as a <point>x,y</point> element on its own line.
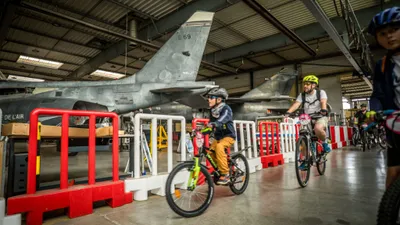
<point>167,77</point>
<point>271,97</point>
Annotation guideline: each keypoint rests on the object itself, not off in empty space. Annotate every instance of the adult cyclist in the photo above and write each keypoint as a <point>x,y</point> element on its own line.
<point>361,115</point>
<point>385,27</point>
<point>312,103</point>
<point>361,118</point>
<point>221,120</point>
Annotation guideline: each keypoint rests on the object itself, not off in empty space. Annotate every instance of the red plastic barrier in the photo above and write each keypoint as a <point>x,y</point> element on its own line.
<point>333,137</point>
<point>196,148</point>
<point>342,138</point>
<point>275,158</point>
<point>77,198</point>
<point>297,131</point>
<point>194,125</point>
<point>349,133</point>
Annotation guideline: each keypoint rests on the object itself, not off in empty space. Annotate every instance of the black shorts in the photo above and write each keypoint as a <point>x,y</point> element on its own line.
<point>393,150</point>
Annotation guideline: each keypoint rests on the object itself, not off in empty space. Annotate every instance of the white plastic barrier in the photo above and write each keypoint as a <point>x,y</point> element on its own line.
<point>253,158</point>
<point>288,140</point>
<point>8,220</point>
<point>155,182</point>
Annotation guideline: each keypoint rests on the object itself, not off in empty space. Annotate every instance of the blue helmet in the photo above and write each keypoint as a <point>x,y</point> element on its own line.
<point>384,18</point>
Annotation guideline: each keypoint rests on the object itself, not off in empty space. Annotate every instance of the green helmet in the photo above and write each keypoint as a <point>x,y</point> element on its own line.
<point>311,78</point>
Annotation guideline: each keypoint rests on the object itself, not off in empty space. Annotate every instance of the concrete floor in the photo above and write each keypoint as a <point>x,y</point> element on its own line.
<point>349,193</point>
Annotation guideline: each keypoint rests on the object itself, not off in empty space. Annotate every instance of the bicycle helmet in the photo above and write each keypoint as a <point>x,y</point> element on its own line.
<point>363,105</point>
<point>219,92</point>
<point>384,18</point>
<point>311,78</point>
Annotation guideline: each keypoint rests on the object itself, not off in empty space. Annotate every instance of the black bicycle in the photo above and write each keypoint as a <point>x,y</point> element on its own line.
<point>307,153</point>
<point>389,206</point>
<point>192,179</point>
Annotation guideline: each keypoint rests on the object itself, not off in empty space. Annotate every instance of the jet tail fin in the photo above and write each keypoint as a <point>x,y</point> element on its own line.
<point>180,57</point>
<point>279,85</point>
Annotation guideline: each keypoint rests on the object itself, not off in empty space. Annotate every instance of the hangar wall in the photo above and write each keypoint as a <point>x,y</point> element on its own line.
<point>332,87</point>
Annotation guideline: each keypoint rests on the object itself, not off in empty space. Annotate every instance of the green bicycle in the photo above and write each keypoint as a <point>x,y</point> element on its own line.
<point>192,180</point>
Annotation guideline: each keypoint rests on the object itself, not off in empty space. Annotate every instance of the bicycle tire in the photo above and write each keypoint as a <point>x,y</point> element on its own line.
<point>354,139</point>
<point>307,159</point>
<point>321,171</point>
<point>171,201</point>
<point>365,139</point>
<point>389,206</point>
<point>247,175</point>
<point>382,140</point>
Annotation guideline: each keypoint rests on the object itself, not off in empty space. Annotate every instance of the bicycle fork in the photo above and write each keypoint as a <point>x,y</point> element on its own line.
<point>194,174</point>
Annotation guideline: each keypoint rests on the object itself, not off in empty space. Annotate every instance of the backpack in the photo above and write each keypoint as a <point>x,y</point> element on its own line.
<point>303,98</point>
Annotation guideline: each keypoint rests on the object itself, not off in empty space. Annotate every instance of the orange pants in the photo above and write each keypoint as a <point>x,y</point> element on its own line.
<point>219,156</point>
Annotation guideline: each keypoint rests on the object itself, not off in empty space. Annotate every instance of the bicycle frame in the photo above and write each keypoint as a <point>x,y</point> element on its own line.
<point>307,131</point>
<point>193,178</point>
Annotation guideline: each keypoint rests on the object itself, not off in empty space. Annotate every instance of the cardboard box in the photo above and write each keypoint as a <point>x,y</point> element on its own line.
<point>178,127</point>
<point>15,129</point>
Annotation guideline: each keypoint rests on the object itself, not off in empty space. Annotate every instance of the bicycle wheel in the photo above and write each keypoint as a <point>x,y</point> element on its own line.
<point>240,174</point>
<point>178,182</point>
<point>388,212</point>
<point>303,175</point>
<point>382,140</point>
<point>321,164</point>
<point>364,141</point>
<point>354,139</point>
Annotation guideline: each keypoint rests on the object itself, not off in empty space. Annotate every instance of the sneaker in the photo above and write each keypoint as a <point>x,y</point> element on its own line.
<point>223,180</point>
<point>326,147</point>
<point>303,166</point>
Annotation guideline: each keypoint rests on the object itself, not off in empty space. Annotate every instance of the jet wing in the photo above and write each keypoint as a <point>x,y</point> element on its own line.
<point>175,89</point>
<point>194,101</point>
<point>272,98</point>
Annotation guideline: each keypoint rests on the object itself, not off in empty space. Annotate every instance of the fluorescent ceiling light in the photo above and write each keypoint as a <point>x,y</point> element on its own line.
<point>39,62</point>
<point>26,79</point>
<point>102,73</point>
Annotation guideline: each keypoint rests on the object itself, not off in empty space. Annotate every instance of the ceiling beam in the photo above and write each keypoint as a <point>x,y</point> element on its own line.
<point>233,30</point>
<point>359,93</point>
<point>325,22</point>
<point>361,83</point>
<point>35,56</point>
<point>263,12</point>
<point>48,49</point>
<point>94,63</point>
<point>328,65</point>
<point>51,37</point>
<point>174,20</point>
<point>355,91</point>
<point>285,63</point>
<point>34,72</point>
<point>352,81</point>
<point>138,12</point>
<point>7,17</point>
<point>46,11</point>
<point>307,33</point>
<point>76,55</point>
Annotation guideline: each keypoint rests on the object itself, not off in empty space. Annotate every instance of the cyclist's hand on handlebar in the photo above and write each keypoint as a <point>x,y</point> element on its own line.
<point>323,112</point>
<point>288,114</point>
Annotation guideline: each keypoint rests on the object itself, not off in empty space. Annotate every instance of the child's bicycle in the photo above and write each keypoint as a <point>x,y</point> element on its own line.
<point>192,180</point>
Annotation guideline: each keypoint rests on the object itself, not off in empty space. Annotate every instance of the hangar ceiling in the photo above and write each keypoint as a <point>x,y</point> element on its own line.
<point>246,36</point>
